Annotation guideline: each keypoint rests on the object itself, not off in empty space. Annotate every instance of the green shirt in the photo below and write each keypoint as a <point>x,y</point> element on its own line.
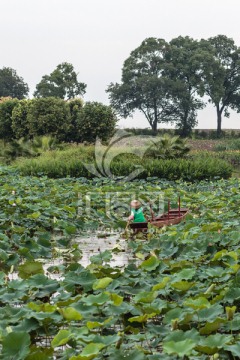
<point>138,215</point>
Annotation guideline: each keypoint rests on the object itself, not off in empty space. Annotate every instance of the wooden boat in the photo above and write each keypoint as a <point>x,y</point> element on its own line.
<point>171,217</point>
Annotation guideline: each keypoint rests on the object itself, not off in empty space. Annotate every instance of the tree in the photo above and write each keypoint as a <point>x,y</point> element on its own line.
<point>61,83</point>
<point>95,120</point>
<point>11,84</point>
<point>184,67</point>
<point>163,81</point>
<point>222,75</point>
<point>48,116</point>
<point>143,85</point>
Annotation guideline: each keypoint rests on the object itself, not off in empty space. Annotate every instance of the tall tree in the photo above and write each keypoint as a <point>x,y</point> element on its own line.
<point>143,85</point>
<point>163,81</point>
<point>11,84</point>
<point>184,67</point>
<point>61,83</point>
<point>222,75</point>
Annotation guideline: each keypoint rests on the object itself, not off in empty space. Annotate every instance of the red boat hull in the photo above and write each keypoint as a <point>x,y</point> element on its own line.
<point>173,217</point>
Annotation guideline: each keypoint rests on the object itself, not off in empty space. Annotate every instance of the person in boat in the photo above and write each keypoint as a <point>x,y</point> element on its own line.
<point>136,212</point>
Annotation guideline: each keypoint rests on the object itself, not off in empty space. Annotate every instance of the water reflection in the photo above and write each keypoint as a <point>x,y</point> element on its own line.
<point>95,245</point>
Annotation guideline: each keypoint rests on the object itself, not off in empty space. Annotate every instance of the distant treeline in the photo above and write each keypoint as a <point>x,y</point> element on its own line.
<point>168,81</point>
<point>196,133</point>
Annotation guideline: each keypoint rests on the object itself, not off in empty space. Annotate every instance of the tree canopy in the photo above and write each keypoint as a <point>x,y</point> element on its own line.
<point>222,75</point>
<point>143,87</point>
<point>11,84</point>
<point>167,82</point>
<point>61,83</point>
<point>161,80</point>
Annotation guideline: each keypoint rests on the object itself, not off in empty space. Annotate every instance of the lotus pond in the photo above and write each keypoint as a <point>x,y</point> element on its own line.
<point>75,284</point>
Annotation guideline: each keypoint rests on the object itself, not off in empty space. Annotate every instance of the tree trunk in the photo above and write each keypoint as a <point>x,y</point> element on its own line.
<point>155,120</point>
<point>219,121</point>
<point>154,127</point>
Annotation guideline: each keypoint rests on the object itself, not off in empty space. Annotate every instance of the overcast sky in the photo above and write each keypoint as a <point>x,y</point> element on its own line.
<point>97,36</point>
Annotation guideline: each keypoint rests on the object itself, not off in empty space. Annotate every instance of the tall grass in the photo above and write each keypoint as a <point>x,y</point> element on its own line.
<point>70,162</point>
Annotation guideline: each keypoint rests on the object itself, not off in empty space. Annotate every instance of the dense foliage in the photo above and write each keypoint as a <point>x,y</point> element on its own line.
<point>6,109</point>
<point>177,298</point>
<point>48,116</point>
<point>167,81</point>
<point>71,121</point>
<point>11,84</point>
<point>169,147</point>
<point>96,120</point>
<point>75,162</point>
<point>61,83</point>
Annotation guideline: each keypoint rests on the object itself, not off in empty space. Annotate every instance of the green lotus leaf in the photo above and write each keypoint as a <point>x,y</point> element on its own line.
<point>3,255</point>
<point>186,274</point>
<point>162,284</point>
<point>15,345</point>
<point>150,264</point>
<point>180,348</point>
<point>61,338</point>
<point>99,299</point>
<point>214,226</point>
<point>30,268</point>
<point>38,353</point>
<point>216,340</point>
<point>34,215</point>
<point>199,303</point>
<point>117,300</point>
<point>70,229</point>
<point>102,283</point>
<point>83,278</point>
<point>145,297</point>
<point>70,314</point>
<point>234,349</point>
<point>182,285</point>
<point>206,349</point>
<point>179,335</point>
<point>19,229</point>
<point>94,324</point>
<point>211,327</point>
<point>107,339</point>
<point>128,355</point>
<point>89,352</point>
<point>232,295</point>
<point>141,318</point>
<point>223,253</point>
<point>232,325</point>
<point>45,307</point>
<point>211,313</point>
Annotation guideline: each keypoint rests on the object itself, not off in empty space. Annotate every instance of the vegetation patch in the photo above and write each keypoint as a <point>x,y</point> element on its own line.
<point>177,297</point>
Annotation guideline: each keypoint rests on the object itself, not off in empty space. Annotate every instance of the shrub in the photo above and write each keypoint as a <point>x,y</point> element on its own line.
<point>75,106</point>
<point>59,164</point>
<point>168,147</point>
<point>49,116</point>
<point>95,120</point>
<point>228,145</point>
<point>20,124</point>
<point>6,109</point>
